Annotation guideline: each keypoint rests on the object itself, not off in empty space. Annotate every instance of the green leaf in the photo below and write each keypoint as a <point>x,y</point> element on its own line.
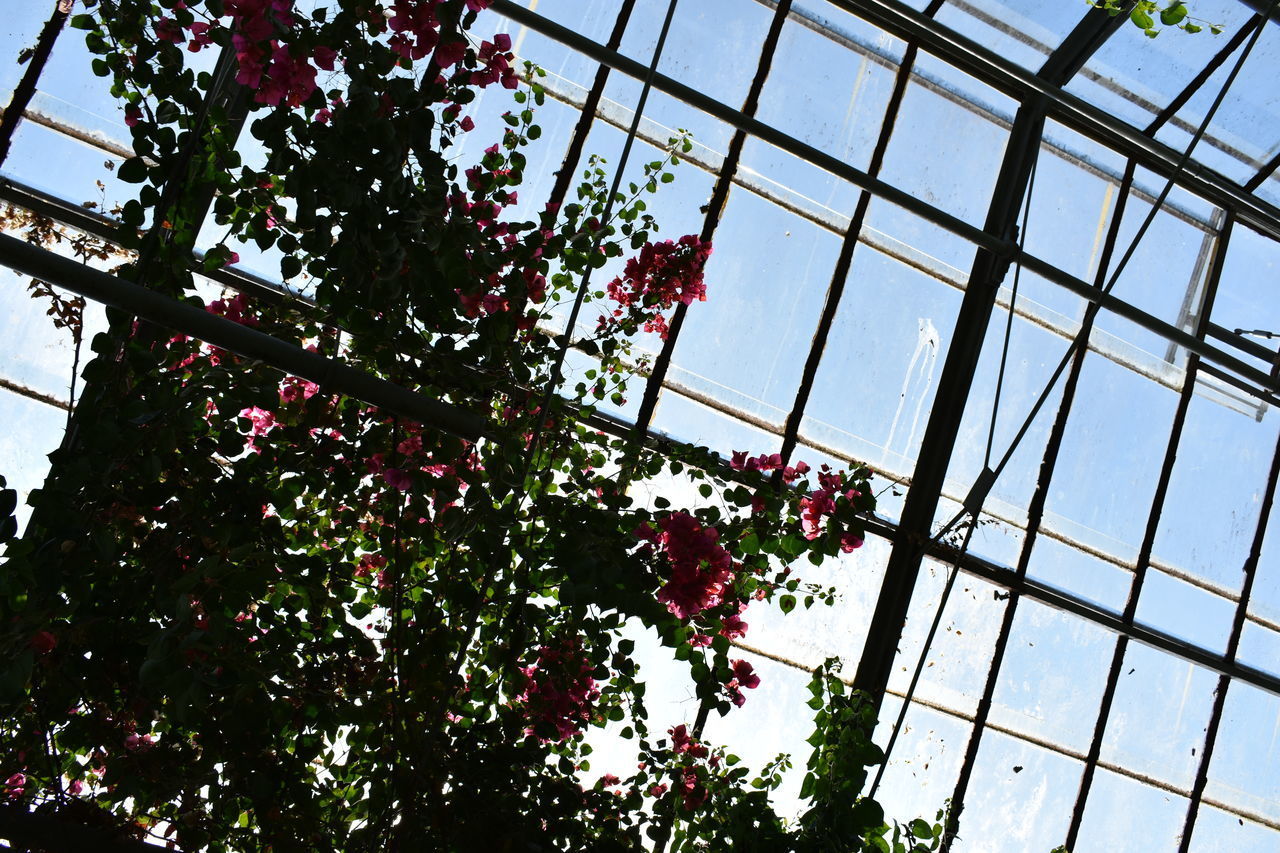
<point>787,603</point>
<point>132,171</point>
<point>1173,14</point>
<point>1141,19</point>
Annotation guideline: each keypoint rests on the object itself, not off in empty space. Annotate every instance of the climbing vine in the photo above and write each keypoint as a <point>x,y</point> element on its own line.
<point>251,614</point>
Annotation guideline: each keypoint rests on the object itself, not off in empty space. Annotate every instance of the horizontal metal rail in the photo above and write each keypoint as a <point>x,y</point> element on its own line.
<point>1250,378</point>
<point>331,375</point>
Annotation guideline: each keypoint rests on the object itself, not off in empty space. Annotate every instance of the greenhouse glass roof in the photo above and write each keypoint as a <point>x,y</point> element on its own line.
<point>962,243</point>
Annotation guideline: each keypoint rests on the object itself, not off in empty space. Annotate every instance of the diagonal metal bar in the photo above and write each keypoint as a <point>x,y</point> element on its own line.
<point>1035,513</point>
<point>1171,110</point>
<point>26,87</point>
<point>715,209</point>
<point>943,427</point>
<point>163,310</point>
<point>1080,44</point>
<point>1265,172</point>
<point>1148,540</point>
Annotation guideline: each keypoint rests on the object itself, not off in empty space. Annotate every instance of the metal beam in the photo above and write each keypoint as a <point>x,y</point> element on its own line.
<point>943,427</point>
<point>332,375</point>
<point>1008,77</point>
<point>1000,247</point>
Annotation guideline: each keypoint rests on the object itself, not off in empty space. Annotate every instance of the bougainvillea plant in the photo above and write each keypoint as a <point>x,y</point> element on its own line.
<point>252,614</point>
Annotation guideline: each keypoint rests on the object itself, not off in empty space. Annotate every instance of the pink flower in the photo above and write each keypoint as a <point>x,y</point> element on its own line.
<point>43,642</point>
<point>559,691</point>
<point>167,29</point>
<point>682,743</point>
<point>450,53</point>
<point>132,115</point>
<point>261,421</point>
<point>324,57</point>
<point>657,790</point>
<point>691,790</point>
<point>398,479</point>
<point>733,627</point>
<point>743,673</point>
<point>138,743</point>
<point>467,124</point>
<point>16,784</point>
<point>76,788</point>
<point>701,568</point>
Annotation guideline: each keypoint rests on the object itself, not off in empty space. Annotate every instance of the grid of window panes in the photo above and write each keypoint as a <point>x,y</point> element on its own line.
<point>1105,668</point>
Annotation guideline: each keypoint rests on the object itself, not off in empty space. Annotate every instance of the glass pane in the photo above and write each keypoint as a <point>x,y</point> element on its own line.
<point>808,636</point>
<point>1125,816</point>
<point>1245,770</point>
<point>1134,77</point>
<point>1158,716</point>
<point>1053,675</point>
<point>1019,799</point>
<point>879,372</point>
<point>1241,137</point>
<point>922,770</point>
<point>830,80</point>
<point>765,285</point>
<point>1223,460</point>
<point>1069,568</point>
<point>959,659</point>
<point>944,150</point>
<point>1117,435</point>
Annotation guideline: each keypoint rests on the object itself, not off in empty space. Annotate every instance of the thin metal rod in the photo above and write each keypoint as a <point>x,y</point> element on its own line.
<point>1003,248</point>
<point>1233,645</point>
<point>715,209</point>
<point>1263,173</point>
<point>1148,539</point>
<point>1204,74</point>
<point>26,87</point>
<point>943,427</point>
<point>839,277</point>
<point>1035,513</point>
<point>332,375</point>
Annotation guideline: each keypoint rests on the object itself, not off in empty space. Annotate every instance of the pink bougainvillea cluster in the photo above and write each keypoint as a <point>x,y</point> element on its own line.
<point>701,569</point>
<point>821,503</point>
<point>272,60</point>
<point>660,276</point>
<point>560,692</point>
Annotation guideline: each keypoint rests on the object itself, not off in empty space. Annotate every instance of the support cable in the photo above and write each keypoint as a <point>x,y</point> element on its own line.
<point>1094,307</point>
<point>972,503</point>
